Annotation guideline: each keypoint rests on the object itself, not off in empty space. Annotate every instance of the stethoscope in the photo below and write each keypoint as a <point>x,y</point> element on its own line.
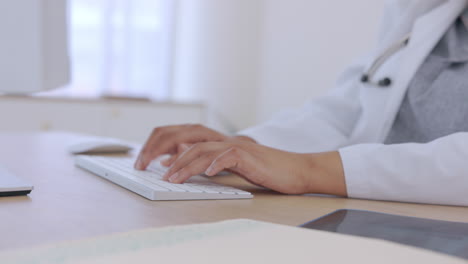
<point>367,76</point>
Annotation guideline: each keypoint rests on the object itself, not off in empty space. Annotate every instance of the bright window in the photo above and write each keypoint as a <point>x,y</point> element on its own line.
<point>120,48</point>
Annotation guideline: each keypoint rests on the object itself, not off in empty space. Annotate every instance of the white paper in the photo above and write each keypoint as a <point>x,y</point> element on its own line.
<point>234,241</point>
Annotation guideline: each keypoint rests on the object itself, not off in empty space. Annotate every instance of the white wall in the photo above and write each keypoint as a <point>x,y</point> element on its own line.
<point>33,46</point>
<point>249,58</point>
<point>217,58</point>
<point>306,44</point>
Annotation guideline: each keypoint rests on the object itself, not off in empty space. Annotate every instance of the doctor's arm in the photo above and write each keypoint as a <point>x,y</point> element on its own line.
<point>435,172</point>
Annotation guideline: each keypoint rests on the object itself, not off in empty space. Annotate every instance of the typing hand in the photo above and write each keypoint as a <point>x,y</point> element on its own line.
<point>174,140</point>
<point>285,172</point>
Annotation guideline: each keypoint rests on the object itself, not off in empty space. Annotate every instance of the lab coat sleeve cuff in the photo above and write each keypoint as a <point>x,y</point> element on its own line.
<point>357,182</point>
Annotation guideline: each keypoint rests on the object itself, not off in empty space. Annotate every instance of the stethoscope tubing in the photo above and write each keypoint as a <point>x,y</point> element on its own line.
<point>367,76</point>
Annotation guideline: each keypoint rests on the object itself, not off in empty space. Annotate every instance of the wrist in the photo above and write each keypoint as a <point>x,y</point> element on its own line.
<point>326,174</point>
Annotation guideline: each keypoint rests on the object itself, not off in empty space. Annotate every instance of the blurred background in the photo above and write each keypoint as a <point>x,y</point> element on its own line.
<point>229,64</point>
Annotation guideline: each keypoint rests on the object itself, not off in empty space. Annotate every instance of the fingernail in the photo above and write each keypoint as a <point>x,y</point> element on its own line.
<point>174,176</point>
<point>138,164</point>
<point>209,171</point>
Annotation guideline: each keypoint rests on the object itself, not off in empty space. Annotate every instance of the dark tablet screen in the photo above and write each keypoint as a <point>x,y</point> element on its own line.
<point>441,236</point>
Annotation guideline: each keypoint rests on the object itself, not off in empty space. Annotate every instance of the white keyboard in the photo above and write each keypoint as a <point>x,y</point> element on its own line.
<point>149,183</point>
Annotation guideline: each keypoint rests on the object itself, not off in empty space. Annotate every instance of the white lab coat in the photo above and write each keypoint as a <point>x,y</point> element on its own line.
<point>355,118</point>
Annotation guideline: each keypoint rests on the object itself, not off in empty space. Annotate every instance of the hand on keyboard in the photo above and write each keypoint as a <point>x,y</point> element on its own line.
<point>210,152</point>
<point>286,172</point>
<point>174,140</point>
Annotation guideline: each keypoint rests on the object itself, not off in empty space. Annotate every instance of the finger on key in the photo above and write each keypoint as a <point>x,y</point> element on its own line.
<point>195,167</point>
<point>164,142</point>
<point>194,152</point>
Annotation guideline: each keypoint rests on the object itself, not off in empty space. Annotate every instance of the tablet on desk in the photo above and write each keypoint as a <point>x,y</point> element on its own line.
<point>441,236</point>
<point>11,185</point>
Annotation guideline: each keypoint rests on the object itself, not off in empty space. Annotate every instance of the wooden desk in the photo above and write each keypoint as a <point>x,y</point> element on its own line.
<point>69,203</point>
